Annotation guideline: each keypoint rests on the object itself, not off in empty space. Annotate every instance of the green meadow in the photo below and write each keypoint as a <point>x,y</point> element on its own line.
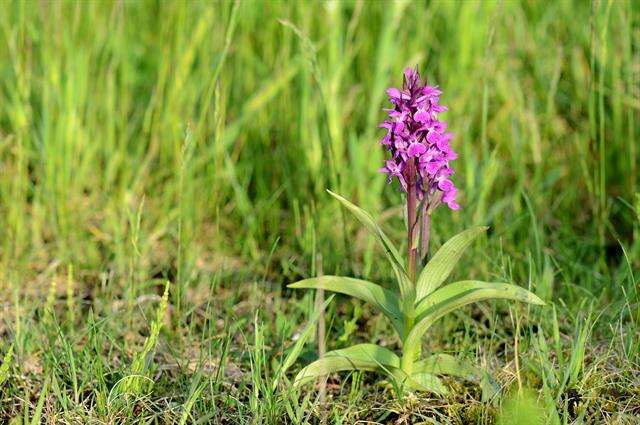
<point>163,176</point>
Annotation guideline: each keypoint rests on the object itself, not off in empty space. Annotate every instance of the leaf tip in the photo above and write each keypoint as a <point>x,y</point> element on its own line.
<point>299,379</point>
<point>536,300</point>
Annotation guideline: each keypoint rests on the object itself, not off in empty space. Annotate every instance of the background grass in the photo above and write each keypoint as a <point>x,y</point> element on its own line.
<point>146,142</point>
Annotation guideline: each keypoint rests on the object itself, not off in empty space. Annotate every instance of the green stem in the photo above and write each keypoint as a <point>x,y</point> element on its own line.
<point>412,253</point>
<point>425,233</point>
<point>408,357</point>
<point>412,199</point>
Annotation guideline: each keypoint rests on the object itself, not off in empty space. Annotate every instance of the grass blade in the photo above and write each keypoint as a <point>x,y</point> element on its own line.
<point>297,347</point>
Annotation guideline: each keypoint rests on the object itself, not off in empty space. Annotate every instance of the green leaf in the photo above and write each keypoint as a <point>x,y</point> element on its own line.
<point>443,262</point>
<point>37,415</point>
<point>364,290</point>
<point>444,364</point>
<point>390,250</point>
<point>6,365</point>
<point>369,357</point>
<point>423,381</point>
<point>459,294</point>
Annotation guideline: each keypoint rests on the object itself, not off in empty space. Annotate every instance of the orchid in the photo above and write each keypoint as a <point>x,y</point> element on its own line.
<point>420,151</point>
<point>418,141</point>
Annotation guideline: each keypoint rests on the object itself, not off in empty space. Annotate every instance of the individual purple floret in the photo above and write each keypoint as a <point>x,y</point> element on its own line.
<point>414,133</point>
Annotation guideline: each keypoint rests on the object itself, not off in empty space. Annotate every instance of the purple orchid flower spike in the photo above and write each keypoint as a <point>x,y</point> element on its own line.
<point>420,154</point>
<point>414,131</point>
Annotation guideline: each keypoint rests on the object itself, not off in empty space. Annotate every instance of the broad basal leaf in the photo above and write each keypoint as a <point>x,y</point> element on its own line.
<point>358,357</point>
<point>370,357</point>
<point>444,364</point>
<point>423,381</point>
<point>443,262</point>
<point>391,252</point>
<point>465,292</point>
<point>458,294</point>
<point>366,291</point>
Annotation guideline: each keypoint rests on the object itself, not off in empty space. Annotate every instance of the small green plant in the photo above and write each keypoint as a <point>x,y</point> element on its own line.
<point>138,380</point>
<point>420,160</point>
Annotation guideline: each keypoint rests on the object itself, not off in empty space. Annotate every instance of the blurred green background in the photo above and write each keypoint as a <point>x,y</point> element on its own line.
<point>193,141</point>
<point>230,125</point>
